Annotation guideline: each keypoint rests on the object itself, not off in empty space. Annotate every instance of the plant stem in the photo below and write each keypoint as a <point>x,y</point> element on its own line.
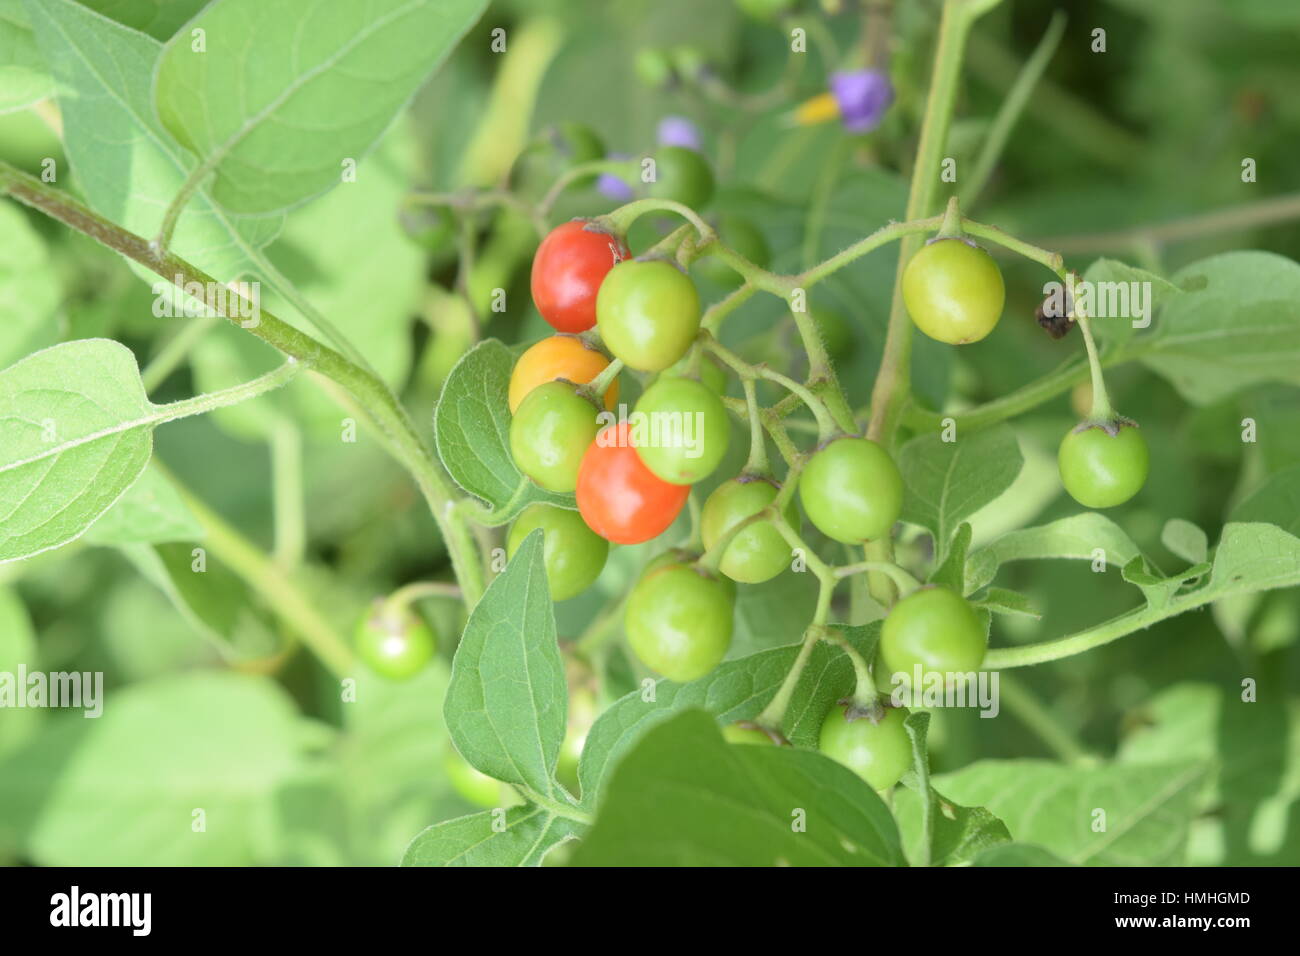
<point>269,580</point>
<point>1264,212</point>
<point>372,395</point>
<point>774,713</point>
<point>228,396</point>
<point>287,493</point>
<point>893,383</point>
<point>1013,104</point>
<point>757,464</point>
<point>1034,715</point>
<point>905,581</point>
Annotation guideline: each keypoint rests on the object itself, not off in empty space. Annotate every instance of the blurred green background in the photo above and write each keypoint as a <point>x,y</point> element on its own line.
<point>206,713</point>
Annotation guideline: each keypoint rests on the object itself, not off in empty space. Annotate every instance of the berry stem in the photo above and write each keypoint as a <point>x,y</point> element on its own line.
<point>905,581</point>
<point>394,426</point>
<point>865,696</point>
<point>598,386</point>
<point>757,464</point>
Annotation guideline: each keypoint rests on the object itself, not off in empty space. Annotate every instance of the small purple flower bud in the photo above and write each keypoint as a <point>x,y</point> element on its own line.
<point>863,96</point>
<point>611,187</point>
<point>679,131</point>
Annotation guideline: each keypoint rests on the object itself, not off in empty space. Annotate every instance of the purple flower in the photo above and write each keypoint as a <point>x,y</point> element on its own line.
<point>679,131</point>
<point>611,186</point>
<point>863,96</point>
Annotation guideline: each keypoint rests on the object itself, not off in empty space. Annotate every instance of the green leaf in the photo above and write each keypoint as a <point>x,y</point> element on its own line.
<point>1111,815</point>
<point>472,428</point>
<point>684,797</point>
<point>1241,329</point>
<point>120,155</point>
<point>1003,601</point>
<point>76,430</point>
<point>520,836</point>
<point>1276,501</point>
<point>1017,854</point>
<point>1187,540</point>
<point>123,789</point>
<point>30,290</point>
<point>158,18</point>
<point>936,831</point>
<point>1077,536</point>
<point>1253,748</point>
<point>507,700</point>
<point>150,512</point>
<point>23,77</point>
<point>734,690</point>
<point>948,482</point>
<point>287,92</point>
<point>216,602</point>
<point>1159,590</point>
<point>1253,557</point>
<point>952,573</point>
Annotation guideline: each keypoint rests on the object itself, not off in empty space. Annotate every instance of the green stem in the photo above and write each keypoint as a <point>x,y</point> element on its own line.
<point>758,463</point>
<point>169,357</point>
<point>418,590</point>
<point>227,396</point>
<point>287,493</point>
<point>893,383</point>
<point>864,690</point>
<point>1006,657</point>
<point>1013,104</point>
<point>621,219</point>
<point>269,580</point>
<point>1031,712</point>
<point>774,713</point>
<point>615,167</point>
<point>905,581</point>
<point>371,394</point>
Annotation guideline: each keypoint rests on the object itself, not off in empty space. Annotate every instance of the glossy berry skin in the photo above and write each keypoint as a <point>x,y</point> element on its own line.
<point>559,356</point>
<point>683,176</point>
<point>686,427</point>
<point>880,753</point>
<point>395,644</point>
<point>573,554</point>
<point>619,497</point>
<point>758,553</point>
<point>683,556</point>
<point>935,629</point>
<point>550,433</point>
<point>1101,471</point>
<point>851,490</point>
<point>568,269</point>
<point>740,734</point>
<point>678,622</point>
<point>649,314</point>
<point>953,291</point>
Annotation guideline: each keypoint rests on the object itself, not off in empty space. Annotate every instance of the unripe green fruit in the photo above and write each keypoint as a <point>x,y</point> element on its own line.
<point>852,490</point>
<point>573,554</point>
<point>880,753</point>
<point>935,629</point>
<point>953,291</point>
<point>1100,470</point>
<point>679,621</point>
<point>394,642</point>
<point>759,552</point>
<point>550,432</point>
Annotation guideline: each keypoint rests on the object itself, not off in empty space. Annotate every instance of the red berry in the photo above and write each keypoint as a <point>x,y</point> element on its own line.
<point>568,269</point>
